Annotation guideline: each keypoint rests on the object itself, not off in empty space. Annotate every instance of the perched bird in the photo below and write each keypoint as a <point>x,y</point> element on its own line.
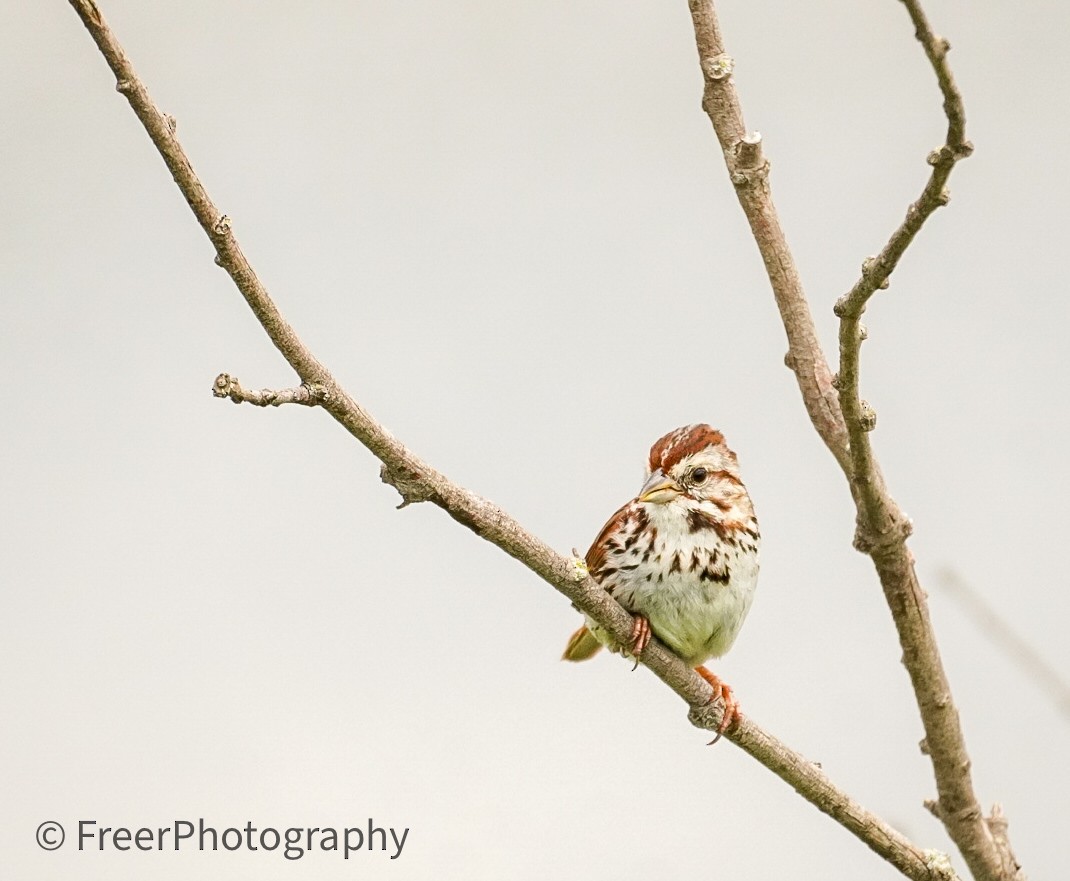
<point>682,557</point>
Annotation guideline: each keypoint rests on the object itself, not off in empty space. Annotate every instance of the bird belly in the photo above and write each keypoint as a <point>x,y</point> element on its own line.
<point>697,622</point>
<point>697,619</point>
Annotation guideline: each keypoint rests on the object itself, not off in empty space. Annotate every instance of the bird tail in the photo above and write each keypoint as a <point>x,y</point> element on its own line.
<point>581,645</point>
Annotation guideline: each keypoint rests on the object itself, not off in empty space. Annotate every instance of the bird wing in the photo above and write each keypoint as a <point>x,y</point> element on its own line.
<point>596,556</point>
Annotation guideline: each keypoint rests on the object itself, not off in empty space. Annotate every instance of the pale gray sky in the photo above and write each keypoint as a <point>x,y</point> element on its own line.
<point>506,228</point>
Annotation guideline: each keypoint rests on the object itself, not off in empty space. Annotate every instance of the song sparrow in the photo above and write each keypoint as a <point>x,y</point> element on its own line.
<point>682,556</point>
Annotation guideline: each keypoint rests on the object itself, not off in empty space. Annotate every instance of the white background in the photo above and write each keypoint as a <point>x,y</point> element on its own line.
<point>507,229</point>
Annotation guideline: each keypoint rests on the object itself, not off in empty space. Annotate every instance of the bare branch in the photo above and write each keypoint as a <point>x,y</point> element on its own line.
<point>227,386</point>
<point>883,529</point>
<point>844,420</point>
<point>749,171</point>
<point>418,481</point>
<point>875,270</point>
<point>880,521</point>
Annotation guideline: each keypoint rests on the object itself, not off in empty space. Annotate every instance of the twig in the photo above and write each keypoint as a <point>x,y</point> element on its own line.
<point>844,421</point>
<point>418,481</point>
<point>227,386</point>
<point>880,521</point>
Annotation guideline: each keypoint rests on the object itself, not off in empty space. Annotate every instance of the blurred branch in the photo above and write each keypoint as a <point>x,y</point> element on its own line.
<point>1020,651</point>
<point>844,421</point>
<point>418,481</point>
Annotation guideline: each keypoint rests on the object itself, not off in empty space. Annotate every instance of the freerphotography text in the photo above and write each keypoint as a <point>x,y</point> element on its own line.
<point>291,842</point>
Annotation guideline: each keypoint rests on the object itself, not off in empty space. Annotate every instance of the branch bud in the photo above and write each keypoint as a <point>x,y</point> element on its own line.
<point>719,67</point>
<point>867,419</point>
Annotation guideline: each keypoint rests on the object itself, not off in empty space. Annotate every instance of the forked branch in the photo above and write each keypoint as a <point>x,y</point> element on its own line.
<point>418,481</point>
<point>880,522</point>
<point>844,421</point>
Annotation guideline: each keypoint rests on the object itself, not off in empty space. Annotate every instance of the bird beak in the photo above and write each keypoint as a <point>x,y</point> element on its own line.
<point>660,489</point>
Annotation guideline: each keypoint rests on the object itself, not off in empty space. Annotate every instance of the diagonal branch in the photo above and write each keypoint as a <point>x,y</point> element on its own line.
<point>844,421</point>
<point>418,481</point>
<point>749,171</point>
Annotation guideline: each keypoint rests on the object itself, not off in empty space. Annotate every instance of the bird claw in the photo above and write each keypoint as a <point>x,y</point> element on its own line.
<point>640,639</point>
<point>721,690</point>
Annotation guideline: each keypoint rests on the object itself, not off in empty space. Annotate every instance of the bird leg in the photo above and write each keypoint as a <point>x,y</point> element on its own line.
<point>640,638</point>
<point>721,690</point>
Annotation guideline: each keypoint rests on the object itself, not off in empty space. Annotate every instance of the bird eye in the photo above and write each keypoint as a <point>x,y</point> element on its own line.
<point>698,476</point>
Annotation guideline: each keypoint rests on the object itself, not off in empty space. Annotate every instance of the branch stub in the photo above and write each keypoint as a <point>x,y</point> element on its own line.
<point>409,484</point>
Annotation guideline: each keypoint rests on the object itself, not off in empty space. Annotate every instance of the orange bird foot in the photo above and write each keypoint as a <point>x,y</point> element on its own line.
<point>722,690</point>
<point>640,638</point>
